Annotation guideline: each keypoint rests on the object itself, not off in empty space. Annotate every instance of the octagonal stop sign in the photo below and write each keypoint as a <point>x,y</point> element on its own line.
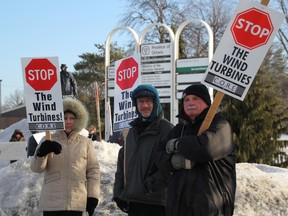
<point>41,74</point>
<point>252,28</point>
<point>127,73</point>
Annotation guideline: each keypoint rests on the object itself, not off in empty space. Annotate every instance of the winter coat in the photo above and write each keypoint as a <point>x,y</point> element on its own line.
<point>68,83</point>
<point>31,146</point>
<point>94,137</point>
<point>70,177</point>
<point>15,139</point>
<point>141,163</point>
<point>208,189</point>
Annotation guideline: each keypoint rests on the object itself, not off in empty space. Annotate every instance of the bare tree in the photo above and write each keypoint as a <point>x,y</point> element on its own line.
<point>141,13</point>
<point>194,39</point>
<point>15,99</point>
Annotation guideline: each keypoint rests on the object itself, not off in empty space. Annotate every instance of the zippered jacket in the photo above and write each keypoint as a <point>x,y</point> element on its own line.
<point>141,163</point>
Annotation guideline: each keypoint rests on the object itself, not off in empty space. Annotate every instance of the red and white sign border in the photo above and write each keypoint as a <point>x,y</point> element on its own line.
<point>254,58</point>
<point>43,97</point>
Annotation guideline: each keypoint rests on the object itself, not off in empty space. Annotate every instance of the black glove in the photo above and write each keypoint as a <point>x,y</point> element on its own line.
<point>91,205</point>
<point>149,185</point>
<point>179,162</point>
<point>49,146</point>
<point>154,183</point>
<point>171,146</point>
<point>123,205</point>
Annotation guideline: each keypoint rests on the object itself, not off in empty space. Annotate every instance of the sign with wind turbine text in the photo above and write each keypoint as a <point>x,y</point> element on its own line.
<point>242,48</point>
<point>42,93</point>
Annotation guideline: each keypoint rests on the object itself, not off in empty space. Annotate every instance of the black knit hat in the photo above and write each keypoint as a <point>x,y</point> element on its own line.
<point>198,90</point>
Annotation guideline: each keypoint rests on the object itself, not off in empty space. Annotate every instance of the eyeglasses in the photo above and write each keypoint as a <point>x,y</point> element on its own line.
<point>148,101</point>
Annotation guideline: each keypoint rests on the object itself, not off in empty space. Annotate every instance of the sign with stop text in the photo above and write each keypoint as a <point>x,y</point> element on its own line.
<point>242,48</point>
<point>42,93</point>
<point>127,78</point>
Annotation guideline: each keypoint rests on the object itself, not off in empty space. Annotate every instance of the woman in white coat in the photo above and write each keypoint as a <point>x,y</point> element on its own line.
<point>71,169</point>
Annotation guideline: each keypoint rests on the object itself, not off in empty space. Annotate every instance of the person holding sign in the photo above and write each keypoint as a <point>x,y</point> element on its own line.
<point>140,188</point>
<point>71,169</point>
<point>203,166</point>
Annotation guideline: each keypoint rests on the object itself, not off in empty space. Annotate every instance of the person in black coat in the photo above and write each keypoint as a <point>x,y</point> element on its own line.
<point>93,133</point>
<point>68,82</point>
<point>17,136</point>
<point>203,166</point>
<point>140,187</point>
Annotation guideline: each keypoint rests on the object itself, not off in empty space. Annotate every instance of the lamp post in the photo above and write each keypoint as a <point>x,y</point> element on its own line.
<point>0,98</point>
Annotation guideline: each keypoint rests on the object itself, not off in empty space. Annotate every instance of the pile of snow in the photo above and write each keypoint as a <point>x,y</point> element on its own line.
<point>262,190</point>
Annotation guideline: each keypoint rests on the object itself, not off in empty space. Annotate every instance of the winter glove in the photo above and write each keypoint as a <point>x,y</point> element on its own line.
<point>91,205</point>
<point>179,162</point>
<point>49,146</point>
<point>171,146</point>
<point>155,182</point>
<point>123,205</point>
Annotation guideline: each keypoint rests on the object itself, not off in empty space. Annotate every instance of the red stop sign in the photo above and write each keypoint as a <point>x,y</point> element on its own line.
<point>127,73</point>
<point>252,28</point>
<point>41,74</point>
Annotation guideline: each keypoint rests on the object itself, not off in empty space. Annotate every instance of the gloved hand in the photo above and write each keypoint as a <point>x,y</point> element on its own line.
<point>155,182</point>
<point>123,205</point>
<point>149,184</point>
<point>179,162</point>
<point>91,205</point>
<point>171,146</point>
<point>49,146</point>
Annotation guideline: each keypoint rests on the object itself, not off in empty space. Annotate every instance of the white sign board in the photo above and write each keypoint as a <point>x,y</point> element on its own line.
<point>42,93</point>
<point>191,66</point>
<point>242,48</point>
<point>13,150</point>
<point>156,57</point>
<point>156,66</point>
<point>127,78</point>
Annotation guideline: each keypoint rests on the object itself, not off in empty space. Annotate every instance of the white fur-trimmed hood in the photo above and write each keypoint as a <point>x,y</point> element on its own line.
<point>79,110</point>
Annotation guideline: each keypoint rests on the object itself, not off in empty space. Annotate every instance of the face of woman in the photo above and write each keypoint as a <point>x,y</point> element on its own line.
<point>69,122</point>
<point>193,106</point>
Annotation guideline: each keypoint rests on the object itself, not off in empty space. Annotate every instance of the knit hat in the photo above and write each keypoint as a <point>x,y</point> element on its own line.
<point>144,93</point>
<point>198,90</point>
<point>147,90</point>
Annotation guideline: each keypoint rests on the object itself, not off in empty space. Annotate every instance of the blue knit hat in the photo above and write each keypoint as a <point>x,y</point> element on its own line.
<point>147,90</point>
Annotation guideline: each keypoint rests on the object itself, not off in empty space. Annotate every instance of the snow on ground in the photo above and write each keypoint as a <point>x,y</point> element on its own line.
<point>262,190</point>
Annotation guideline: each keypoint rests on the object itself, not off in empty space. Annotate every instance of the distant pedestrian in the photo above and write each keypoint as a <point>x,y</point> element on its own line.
<point>68,83</point>
<point>17,136</point>
<point>93,133</point>
<point>117,137</point>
